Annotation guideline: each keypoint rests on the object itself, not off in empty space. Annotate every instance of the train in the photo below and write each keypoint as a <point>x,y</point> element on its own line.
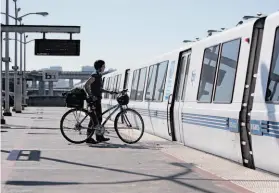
<point>217,95</point>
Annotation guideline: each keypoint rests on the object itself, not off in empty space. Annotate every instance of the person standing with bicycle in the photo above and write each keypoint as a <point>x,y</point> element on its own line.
<point>94,88</point>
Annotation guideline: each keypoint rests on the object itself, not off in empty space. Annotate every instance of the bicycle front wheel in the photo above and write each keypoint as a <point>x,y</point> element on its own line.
<point>129,124</point>
<point>79,128</point>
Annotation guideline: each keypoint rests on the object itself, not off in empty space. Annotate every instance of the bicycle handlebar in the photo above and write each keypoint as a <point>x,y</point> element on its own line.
<point>122,92</point>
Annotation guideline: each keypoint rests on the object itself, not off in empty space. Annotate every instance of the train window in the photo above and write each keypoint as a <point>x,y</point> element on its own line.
<point>111,84</point>
<point>138,84</point>
<point>119,81</point>
<point>156,81</point>
<point>160,81</point>
<point>141,84</point>
<point>108,83</point>
<point>208,73</point>
<point>227,71</point>
<point>134,85</point>
<point>272,93</point>
<point>151,82</point>
<point>116,84</point>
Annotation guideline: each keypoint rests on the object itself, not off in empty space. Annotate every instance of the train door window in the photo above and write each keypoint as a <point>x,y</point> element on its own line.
<point>134,85</point>
<point>151,82</point>
<point>180,77</point>
<point>141,84</point>
<point>208,73</point>
<point>126,79</point>
<point>272,93</point>
<point>186,77</point>
<point>160,81</point>
<point>227,71</point>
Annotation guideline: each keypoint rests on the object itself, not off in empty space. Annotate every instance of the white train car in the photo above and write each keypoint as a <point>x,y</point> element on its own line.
<point>211,94</point>
<point>264,114</point>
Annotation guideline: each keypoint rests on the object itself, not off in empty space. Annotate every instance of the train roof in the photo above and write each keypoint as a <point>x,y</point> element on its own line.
<point>248,25</point>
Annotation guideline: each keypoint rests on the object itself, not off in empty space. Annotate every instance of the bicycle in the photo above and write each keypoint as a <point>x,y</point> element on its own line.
<point>122,100</point>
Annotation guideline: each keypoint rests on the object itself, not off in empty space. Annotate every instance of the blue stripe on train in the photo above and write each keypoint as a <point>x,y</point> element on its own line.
<point>261,128</point>
<point>258,127</point>
<point>265,128</point>
<point>153,113</point>
<point>148,112</point>
<point>217,122</point>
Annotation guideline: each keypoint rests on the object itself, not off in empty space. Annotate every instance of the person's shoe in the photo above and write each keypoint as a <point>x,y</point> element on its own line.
<point>91,141</point>
<point>101,138</point>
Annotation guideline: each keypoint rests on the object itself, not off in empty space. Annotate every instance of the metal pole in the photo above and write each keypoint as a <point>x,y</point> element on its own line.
<point>24,75</point>
<point>7,111</point>
<point>20,76</point>
<point>3,121</point>
<point>16,95</point>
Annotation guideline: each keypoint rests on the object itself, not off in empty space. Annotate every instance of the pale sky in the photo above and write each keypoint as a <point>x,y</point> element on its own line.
<point>126,32</point>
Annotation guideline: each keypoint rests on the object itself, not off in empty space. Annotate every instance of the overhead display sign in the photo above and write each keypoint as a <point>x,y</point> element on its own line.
<point>57,47</point>
<point>50,75</point>
<point>40,28</point>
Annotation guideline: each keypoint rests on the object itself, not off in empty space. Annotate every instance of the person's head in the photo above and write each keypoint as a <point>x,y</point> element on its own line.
<point>100,65</point>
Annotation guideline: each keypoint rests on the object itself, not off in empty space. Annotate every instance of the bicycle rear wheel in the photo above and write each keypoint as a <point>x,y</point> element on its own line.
<point>81,126</point>
<point>133,121</point>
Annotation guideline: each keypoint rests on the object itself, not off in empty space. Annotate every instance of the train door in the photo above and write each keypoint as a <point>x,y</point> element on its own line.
<point>248,96</point>
<point>178,94</point>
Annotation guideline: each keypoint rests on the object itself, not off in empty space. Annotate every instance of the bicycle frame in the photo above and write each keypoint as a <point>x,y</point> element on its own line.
<point>115,107</point>
<point>118,106</point>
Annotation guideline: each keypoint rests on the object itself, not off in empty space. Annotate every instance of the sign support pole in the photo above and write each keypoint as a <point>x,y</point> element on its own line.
<point>3,121</point>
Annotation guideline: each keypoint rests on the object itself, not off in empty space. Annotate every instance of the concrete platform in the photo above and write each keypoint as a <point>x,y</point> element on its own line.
<point>153,165</point>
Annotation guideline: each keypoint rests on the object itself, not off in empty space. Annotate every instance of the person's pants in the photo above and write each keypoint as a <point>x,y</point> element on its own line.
<point>98,116</point>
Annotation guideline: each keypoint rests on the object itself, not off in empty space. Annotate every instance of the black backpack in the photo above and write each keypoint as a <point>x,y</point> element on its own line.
<point>75,98</point>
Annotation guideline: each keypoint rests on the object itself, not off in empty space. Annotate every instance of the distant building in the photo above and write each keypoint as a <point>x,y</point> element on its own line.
<point>43,69</point>
<point>87,69</point>
<point>58,68</point>
<point>65,83</point>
